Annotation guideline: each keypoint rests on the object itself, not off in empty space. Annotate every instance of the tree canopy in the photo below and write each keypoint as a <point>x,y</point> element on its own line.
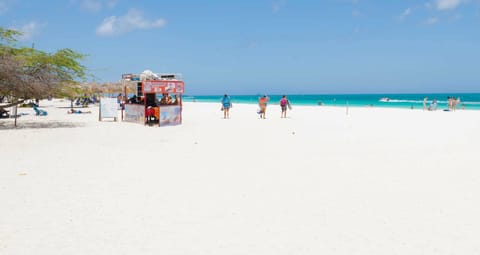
<point>27,73</point>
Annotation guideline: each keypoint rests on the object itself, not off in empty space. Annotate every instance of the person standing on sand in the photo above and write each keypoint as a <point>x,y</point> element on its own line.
<point>226,105</point>
<point>283,104</point>
<point>262,102</point>
<point>450,105</point>
<point>425,103</point>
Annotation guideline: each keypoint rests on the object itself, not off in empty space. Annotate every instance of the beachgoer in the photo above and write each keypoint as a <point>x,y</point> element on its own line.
<point>433,105</point>
<point>425,103</point>
<point>120,101</point>
<point>73,111</point>
<point>119,98</point>
<point>164,99</point>
<point>150,114</point>
<point>226,105</point>
<point>450,103</point>
<point>454,103</point>
<point>457,103</point>
<point>176,100</point>
<point>133,99</point>
<point>284,104</point>
<point>262,102</point>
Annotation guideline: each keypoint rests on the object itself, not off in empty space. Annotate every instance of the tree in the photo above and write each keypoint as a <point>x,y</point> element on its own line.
<point>27,73</point>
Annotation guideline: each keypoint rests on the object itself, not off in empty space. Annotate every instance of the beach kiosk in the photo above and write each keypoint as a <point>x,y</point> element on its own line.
<point>157,99</point>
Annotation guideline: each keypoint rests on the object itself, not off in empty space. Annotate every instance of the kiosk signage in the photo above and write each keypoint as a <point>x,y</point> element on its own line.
<point>108,108</point>
<point>170,115</point>
<point>135,113</point>
<point>162,87</point>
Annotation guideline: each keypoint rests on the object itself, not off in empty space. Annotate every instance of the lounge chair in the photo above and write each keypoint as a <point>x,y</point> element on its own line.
<point>39,112</point>
<point>4,113</point>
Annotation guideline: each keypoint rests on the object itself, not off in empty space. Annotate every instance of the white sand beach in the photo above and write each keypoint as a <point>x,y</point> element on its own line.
<point>375,181</point>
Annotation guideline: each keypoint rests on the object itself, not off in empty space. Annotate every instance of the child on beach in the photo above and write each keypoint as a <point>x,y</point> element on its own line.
<point>226,105</point>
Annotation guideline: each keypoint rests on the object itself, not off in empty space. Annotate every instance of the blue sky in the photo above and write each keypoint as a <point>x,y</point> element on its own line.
<point>266,46</point>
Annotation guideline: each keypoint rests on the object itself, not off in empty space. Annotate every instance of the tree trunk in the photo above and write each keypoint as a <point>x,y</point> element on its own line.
<point>16,113</point>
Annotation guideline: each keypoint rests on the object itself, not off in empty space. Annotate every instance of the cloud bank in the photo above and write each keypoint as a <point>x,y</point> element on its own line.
<point>133,20</point>
<point>5,6</point>
<point>447,4</point>
<point>94,5</point>
<point>431,21</point>
<point>28,30</point>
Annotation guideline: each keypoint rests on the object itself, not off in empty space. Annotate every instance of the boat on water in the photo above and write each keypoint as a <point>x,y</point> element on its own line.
<point>384,99</point>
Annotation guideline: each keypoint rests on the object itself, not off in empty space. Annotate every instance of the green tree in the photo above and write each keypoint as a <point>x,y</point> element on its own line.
<point>27,73</point>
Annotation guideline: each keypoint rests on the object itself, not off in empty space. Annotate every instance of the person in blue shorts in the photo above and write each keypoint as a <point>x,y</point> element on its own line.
<point>226,105</point>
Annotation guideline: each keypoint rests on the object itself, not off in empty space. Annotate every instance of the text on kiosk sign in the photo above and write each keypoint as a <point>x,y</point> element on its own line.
<point>163,87</point>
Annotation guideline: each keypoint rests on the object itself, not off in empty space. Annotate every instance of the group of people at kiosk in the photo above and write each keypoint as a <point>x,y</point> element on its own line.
<point>165,100</point>
<point>135,100</point>
<point>168,100</point>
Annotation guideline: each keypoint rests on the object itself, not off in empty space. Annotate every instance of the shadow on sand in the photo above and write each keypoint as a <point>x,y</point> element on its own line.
<point>9,124</point>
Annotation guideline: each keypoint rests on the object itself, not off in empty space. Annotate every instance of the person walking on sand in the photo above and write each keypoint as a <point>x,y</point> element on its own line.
<point>284,103</point>
<point>425,103</point>
<point>457,103</point>
<point>262,102</point>
<point>226,105</point>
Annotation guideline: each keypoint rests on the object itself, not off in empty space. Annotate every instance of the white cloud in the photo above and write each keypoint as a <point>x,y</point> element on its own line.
<point>5,6</point>
<point>111,3</point>
<point>455,17</point>
<point>29,30</point>
<point>92,5</point>
<point>95,5</point>
<point>278,5</point>
<point>406,13</point>
<point>447,4</point>
<point>133,20</point>
<point>431,21</point>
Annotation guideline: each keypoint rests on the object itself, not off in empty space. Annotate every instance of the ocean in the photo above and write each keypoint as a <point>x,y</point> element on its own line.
<point>468,101</point>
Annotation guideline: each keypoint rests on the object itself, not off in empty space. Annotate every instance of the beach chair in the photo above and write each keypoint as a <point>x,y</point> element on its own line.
<point>39,112</point>
<point>4,113</point>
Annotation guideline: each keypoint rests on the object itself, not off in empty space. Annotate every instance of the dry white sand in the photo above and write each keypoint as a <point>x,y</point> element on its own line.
<point>378,181</point>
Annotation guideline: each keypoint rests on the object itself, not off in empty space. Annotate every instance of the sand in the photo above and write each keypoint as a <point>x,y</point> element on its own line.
<point>375,181</point>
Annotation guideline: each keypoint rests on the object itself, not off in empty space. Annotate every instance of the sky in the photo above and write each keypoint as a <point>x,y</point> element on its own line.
<point>266,46</point>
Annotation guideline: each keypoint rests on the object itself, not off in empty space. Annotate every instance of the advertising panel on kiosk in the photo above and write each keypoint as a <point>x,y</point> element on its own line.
<point>162,87</point>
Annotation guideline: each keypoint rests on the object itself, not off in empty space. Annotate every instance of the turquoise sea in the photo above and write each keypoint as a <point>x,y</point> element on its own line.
<point>469,101</point>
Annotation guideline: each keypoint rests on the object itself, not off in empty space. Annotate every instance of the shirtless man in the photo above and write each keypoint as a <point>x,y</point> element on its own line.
<point>262,102</point>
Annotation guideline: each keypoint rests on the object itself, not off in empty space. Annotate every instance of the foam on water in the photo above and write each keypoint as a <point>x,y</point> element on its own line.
<point>471,101</point>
